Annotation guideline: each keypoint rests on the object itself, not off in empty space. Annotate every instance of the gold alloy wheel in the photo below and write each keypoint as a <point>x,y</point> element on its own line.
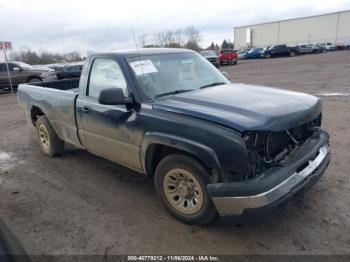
<point>183,191</point>
<point>44,136</point>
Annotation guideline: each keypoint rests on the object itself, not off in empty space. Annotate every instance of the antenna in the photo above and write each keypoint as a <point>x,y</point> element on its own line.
<point>137,50</point>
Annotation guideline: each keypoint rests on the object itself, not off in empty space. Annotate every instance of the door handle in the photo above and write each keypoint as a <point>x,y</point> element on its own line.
<point>86,109</point>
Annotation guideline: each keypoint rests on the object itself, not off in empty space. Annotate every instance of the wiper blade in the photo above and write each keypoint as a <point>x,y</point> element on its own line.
<point>213,84</point>
<point>174,92</point>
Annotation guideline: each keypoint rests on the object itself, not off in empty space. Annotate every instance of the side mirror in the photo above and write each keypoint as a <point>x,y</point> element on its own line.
<point>113,96</point>
<point>16,69</point>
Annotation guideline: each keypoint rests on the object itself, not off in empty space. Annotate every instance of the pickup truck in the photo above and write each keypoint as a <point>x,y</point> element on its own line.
<point>211,146</point>
<point>279,50</point>
<point>228,57</point>
<point>67,71</point>
<point>20,73</point>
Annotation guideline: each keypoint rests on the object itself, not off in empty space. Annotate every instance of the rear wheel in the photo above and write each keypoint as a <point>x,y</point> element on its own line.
<point>34,80</point>
<point>267,56</point>
<point>49,142</point>
<point>291,53</point>
<point>180,183</point>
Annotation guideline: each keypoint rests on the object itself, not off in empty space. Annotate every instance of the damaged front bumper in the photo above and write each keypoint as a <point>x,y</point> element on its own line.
<point>246,201</point>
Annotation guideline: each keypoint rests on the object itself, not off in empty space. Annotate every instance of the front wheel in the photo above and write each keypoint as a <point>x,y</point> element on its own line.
<point>180,182</point>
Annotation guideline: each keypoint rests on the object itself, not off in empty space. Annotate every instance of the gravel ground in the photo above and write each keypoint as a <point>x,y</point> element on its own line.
<point>83,204</point>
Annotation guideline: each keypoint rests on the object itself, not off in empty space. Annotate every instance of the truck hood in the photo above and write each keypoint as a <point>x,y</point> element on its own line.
<point>38,71</point>
<point>245,107</point>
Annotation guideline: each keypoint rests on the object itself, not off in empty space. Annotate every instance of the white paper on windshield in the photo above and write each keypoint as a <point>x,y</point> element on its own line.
<point>143,67</point>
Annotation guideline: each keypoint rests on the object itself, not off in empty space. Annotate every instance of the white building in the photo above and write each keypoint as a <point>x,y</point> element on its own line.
<point>332,27</point>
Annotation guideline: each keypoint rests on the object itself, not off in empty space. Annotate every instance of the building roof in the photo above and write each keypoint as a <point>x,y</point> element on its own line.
<point>290,19</point>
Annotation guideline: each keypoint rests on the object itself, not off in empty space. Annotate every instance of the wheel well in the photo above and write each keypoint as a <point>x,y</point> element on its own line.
<point>156,152</point>
<point>34,77</point>
<point>35,113</point>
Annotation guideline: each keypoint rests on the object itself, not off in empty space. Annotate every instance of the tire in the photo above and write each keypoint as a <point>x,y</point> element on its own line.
<point>267,56</point>
<point>34,80</point>
<point>234,62</point>
<point>291,53</point>
<point>49,142</point>
<point>180,182</point>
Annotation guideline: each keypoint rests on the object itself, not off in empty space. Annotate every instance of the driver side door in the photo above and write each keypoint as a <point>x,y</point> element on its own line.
<point>109,130</point>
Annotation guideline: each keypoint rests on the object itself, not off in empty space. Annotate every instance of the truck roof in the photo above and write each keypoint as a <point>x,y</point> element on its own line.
<point>144,51</point>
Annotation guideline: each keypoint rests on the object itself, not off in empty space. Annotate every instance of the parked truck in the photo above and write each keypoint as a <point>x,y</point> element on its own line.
<point>228,57</point>
<point>211,146</point>
<point>19,73</point>
<point>279,50</point>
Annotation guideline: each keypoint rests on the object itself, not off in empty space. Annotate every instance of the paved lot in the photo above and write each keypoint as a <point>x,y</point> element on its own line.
<point>82,204</point>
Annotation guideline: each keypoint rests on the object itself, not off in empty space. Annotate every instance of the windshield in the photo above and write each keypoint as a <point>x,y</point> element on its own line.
<point>208,53</point>
<point>170,73</point>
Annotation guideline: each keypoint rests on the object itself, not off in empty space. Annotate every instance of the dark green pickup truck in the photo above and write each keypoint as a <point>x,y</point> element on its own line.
<point>212,147</point>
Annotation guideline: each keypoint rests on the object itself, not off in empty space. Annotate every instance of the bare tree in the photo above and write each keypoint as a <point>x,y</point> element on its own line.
<point>180,38</point>
<point>43,57</point>
<point>143,40</point>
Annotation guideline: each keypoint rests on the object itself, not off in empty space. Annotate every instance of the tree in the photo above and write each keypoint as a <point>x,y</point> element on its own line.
<point>212,46</point>
<point>224,44</point>
<point>143,40</point>
<point>43,57</point>
<point>180,38</point>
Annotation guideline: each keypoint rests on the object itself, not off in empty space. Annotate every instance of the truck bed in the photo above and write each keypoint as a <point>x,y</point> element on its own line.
<point>66,84</point>
<point>56,100</point>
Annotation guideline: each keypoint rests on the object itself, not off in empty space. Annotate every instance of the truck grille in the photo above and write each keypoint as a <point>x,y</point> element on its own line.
<point>268,148</point>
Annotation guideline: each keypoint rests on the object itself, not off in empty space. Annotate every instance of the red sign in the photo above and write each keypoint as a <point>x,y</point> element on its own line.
<point>5,45</point>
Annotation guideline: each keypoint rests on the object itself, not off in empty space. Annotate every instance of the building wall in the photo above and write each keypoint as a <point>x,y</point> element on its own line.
<point>333,27</point>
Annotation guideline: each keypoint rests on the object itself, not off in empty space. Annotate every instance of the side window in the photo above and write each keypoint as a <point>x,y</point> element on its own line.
<point>105,73</point>
<point>2,68</point>
<point>11,66</point>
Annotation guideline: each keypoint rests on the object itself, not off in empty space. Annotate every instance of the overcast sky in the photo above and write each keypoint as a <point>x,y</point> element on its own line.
<point>67,25</point>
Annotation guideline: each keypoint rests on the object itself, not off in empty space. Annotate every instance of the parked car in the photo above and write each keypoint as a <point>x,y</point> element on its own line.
<point>279,50</point>
<point>254,53</point>
<point>210,145</point>
<point>212,57</point>
<point>228,57</point>
<point>241,54</point>
<point>20,73</point>
<point>319,49</point>
<point>329,46</point>
<point>306,49</point>
<point>63,72</point>
<point>341,46</point>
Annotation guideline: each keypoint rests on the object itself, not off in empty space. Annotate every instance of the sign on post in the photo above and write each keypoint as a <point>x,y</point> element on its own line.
<point>7,46</point>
